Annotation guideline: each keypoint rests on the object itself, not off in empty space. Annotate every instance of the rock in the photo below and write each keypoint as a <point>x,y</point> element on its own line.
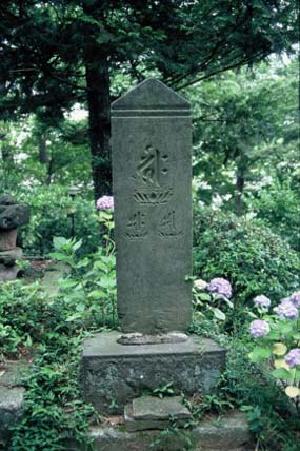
<point>151,412</point>
<point>8,240</point>
<point>7,274</point>
<point>13,216</point>
<point>7,199</point>
<point>115,374</point>
<point>228,432</point>
<point>8,258</point>
<point>11,396</point>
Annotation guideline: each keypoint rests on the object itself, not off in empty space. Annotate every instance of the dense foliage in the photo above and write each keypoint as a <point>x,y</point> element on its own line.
<point>246,252</point>
<point>61,64</point>
<point>54,54</point>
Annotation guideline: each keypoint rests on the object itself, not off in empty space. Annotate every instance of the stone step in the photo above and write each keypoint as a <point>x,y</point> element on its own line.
<point>151,412</point>
<point>224,433</point>
<point>11,397</point>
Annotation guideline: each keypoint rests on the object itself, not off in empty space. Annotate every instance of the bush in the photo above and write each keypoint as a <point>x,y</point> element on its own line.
<point>278,206</point>
<point>51,210</point>
<point>247,253</point>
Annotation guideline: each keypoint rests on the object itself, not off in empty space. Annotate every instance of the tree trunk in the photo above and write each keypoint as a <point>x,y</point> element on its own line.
<point>97,83</point>
<point>43,154</point>
<point>240,184</point>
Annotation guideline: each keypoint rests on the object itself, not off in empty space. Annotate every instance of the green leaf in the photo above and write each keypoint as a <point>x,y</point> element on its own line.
<point>59,242</point>
<point>260,354</point>
<point>219,314</point>
<point>281,373</point>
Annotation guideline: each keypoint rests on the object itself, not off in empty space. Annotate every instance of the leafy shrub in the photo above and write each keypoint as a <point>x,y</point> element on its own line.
<point>247,253</point>
<point>278,206</point>
<point>52,326</point>
<point>267,408</point>
<point>51,215</point>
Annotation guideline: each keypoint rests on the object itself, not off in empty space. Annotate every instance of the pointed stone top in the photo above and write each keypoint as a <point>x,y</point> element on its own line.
<point>151,95</point>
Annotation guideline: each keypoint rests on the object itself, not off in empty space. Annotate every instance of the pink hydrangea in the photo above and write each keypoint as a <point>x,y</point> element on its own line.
<point>286,309</point>
<point>105,203</point>
<point>293,358</point>
<point>221,286</point>
<point>295,298</point>
<point>259,328</point>
<point>262,302</point>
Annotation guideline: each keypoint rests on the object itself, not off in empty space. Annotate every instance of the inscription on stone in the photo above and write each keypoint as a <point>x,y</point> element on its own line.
<point>168,227</point>
<point>136,228</point>
<point>152,173</point>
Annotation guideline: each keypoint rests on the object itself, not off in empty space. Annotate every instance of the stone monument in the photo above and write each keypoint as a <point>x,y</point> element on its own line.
<point>152,174</point>
<point>12,215</point>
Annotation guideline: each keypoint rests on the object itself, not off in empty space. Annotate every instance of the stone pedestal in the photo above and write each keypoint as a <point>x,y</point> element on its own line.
<point>112,375</point>
<point>8,268</point>
<point>8,240</point>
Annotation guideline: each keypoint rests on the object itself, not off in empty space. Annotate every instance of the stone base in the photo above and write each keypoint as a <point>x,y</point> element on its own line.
<point>152,412</point>
<point>227,433</point>
<point>8,239</point>
<point>11,397</point>
<point>8,268</point>
<point>112,375</point>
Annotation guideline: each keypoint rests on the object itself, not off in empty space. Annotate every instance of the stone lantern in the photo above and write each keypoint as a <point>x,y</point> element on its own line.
<point>12,216</point>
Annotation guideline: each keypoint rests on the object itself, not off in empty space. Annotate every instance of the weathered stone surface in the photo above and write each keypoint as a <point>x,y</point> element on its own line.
<point>152,172</point>
<point>11,401</point>
<point>113,374</point>
<point>7,199</point>
<point>11,396</point>
<point>150,412</point>
<point>8,269</point>
<point>8,258</point>
<point>8,240</point>
<point>141,339</point>
<point>154,407</point>
<point>7,274</point>
<point>13,216</point>
<point>227,433</point>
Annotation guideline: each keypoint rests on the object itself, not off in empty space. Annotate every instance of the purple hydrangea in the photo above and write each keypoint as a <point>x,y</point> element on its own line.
<point>286,309</point>
<point>262,302</point>
<point>295,298</point>
<point>220,286</point>
<point>293,358</point>
<point>105,203</point>
<point>259,328</point>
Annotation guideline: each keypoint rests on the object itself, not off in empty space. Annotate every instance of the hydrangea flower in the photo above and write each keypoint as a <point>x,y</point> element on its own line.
<point>220,286</point>
<point>105,203</point>
<point>200,284</point>
<point>295,298</point>
<point>259,328</point>
<point>286,309</point>
<point>262,302</point>
<point>293,358</point>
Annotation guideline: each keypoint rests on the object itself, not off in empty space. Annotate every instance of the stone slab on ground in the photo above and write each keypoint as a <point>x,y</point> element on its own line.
<point>7,274</point>
<point>151,412</point>
<point>8,258</point>
<point>11,396</point>
<point>54,272</point>
<point>112,374</point>
<point>227,433</point>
